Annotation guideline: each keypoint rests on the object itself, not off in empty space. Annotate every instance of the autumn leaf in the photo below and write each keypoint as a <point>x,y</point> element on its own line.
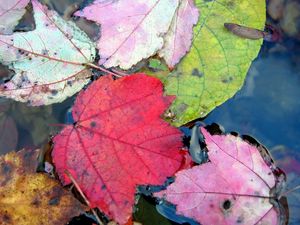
<point>130,30</point>
<point>218,61</point>
<point>240,185</point>
<point>117,142</point>
<point>31,198</point>
<point>48,61</point>
<point>10,14</point>
<point>178,40</point>
<point>135,30</point>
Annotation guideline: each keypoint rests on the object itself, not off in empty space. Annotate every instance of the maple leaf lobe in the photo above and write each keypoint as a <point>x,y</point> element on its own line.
<point>10,14</point>
<point>236,186</point>
<point>47,61</point>
<point>130,30</point>
<point>119,141</point>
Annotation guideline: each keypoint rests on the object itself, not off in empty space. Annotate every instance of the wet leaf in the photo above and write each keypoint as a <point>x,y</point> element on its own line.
<point>118,142</point>
<point>35,122</point>
<point>10,13</point>
<point>178,40</point>
<point>216,66</point>
<point>29,198</point>
<point>47,61</point>
<point>130,30</point>
<point>240,185</point>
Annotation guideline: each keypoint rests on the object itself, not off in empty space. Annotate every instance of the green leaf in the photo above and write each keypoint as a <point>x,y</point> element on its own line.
<point>217,64</point>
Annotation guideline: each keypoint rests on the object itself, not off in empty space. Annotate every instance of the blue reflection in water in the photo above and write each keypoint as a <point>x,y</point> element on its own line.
<point>268,106</point>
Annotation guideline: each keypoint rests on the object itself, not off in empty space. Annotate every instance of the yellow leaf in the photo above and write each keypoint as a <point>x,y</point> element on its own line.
<point>30,198</point>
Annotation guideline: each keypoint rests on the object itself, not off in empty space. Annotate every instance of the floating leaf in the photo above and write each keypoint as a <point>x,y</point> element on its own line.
<point>216,66</point>
<point>10,14</point>
<point>118,141</point>
<point>29,198</point>
<point>240,185</point>
<point>130,30</point>
<point>48,62</point>
<point>178,40</point>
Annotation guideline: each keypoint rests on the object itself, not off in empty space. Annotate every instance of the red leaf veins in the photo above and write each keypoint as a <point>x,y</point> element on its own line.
<point>117,142</point>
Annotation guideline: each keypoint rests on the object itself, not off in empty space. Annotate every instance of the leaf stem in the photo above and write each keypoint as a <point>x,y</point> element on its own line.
<point>289,191</point>
<point>113,72</point>
<point>83,196</point>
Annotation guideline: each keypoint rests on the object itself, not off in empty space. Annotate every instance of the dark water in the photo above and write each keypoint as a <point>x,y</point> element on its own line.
<point>266,108</point>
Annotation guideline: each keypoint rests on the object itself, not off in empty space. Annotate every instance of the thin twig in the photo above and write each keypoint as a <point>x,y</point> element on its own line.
<point>120,72</point>
<point>83,196</point>
<point>115,73</point>
<point>289,191</point>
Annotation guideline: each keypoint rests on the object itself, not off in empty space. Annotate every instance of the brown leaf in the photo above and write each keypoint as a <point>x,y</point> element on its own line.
<point>29,198</point>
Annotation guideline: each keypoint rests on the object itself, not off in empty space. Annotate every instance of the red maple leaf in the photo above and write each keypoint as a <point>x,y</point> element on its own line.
<point>118,141</point>
<point>239,185</point>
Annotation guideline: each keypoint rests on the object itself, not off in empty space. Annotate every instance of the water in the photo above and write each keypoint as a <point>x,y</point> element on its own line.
<point>266,108</point>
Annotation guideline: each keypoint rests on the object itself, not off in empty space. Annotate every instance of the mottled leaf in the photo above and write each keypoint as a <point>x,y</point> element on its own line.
<point>10,13</point>
<point>48,62</point>
<point>29,198</point>
<point>178,40</point>
<point>239,185</point>
<point>117,142</point>
<point>130,30</point>
<point>218,61</point>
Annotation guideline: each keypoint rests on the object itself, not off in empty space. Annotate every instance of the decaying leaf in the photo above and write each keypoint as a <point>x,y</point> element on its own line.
<point>178,40</point>
<point>117,142</point>
<point>10,13</point>
<point>34,121</point>
<point>31,198</point>
<point>130,30</point>
<point>216,65</point>
<point>48,61</point>
<point>240,185</point>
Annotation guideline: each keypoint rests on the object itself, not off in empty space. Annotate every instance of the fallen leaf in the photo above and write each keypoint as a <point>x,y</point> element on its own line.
<point>178,40</point>
<point>130,30</point>
<point>34,121</point>
<point>48,61</point>
<point>240,185</point>
<point>31,198</point>
<point>10,14</point>
<point>117,142</point>
<point>218,61</point>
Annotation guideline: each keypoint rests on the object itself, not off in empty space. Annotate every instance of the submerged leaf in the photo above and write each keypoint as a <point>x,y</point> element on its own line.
<point>130,30</point>
<point>29,198</point>
<point>218,61</point>
<point>239,185</point>
<point>117,142</point>
<point>10,13</point>
<point>9,133</point>
<point>48,62</point>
